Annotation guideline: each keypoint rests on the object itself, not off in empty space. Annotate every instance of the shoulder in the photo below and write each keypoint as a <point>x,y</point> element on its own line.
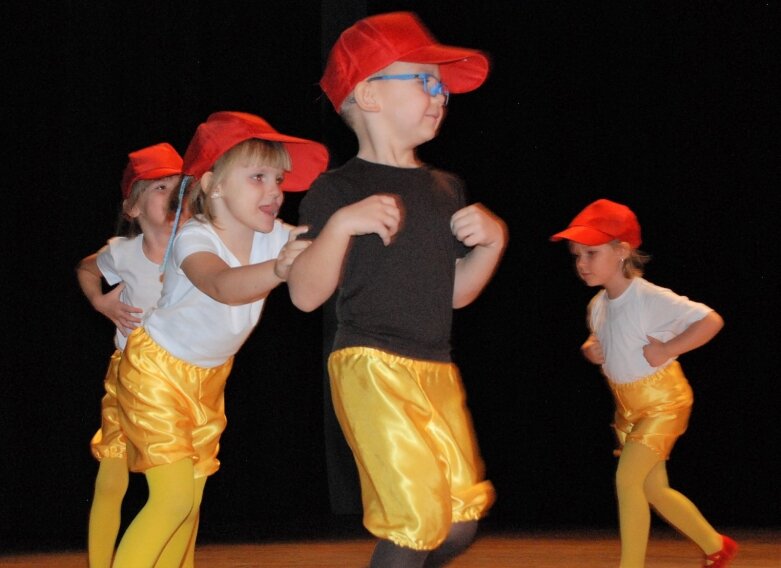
<point>196,233</point>
<point>446,183</point>
<point>336,186</point>
<point>195,226</point>
<point>643,287</point>
<point>124,242</point>
<point>444,176</point>
<point>656,298</point>
<point>342,177</point>
<point>596,300</point>
<point>122,246</point>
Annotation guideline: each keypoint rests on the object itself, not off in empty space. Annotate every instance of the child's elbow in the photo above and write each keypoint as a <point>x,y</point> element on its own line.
<point>305,306</point>
<point>717,321</point>
<point>301,301</point>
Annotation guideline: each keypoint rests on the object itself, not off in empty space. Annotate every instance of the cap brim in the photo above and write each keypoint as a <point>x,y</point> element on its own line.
<point>461,69</point>
<point>308,160</point>
<point>155,173</point>
<point>583,235</point>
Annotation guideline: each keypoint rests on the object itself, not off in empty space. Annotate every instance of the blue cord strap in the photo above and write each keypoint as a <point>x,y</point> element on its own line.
<point>182,187</point>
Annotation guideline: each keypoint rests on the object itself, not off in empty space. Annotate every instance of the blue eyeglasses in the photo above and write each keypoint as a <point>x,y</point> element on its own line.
<point>431,85</point>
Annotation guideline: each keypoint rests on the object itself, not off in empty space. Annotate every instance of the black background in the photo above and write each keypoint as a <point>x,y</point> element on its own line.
<point>669,107</point>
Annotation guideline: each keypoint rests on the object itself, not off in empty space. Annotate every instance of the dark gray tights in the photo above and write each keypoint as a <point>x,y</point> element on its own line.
<point>388,555</point>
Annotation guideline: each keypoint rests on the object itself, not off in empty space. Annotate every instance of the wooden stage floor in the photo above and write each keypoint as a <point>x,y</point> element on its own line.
<point>582,549</point>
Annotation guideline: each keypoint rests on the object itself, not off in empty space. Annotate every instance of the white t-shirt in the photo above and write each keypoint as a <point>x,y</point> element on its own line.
<point>189,324</point>
<point>622,324</point>
<point>123,260</point>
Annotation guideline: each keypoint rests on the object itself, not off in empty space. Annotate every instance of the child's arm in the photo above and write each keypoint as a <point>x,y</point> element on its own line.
<point>592,350</point>
<point>697,334</point>
<point>239,285</point>
<point>91,282</point>
<point>315,273</point>
<point>477,227</point>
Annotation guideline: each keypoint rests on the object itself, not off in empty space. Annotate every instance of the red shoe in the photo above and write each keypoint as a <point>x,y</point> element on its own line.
<point>722,558</point>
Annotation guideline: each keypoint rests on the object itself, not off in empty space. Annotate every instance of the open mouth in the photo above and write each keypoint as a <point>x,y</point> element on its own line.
<point>271,210</point>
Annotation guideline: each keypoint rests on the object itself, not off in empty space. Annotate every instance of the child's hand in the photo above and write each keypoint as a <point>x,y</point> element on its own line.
<point>475,225</point>
<point>655,352</point>
<point>592,350</point>
<point>290,251</point>
<point>121,315</point>
<point>379,214</point>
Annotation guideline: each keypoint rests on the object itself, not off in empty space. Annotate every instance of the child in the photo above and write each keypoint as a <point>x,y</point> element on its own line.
<point>224,263</point>
<point>638,330</point>
<point>396,239</point>
<point>132,262</point>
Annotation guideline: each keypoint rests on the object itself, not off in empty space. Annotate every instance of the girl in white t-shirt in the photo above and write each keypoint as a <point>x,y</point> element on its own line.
<point>130,262</point>
<point>637,332</point>
<point>223,264</point>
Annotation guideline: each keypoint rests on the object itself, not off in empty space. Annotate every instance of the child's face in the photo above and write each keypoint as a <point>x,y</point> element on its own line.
<point>599,265</point>
<point>151,210</point>
<point>250,196</point>
<point>410,112</point>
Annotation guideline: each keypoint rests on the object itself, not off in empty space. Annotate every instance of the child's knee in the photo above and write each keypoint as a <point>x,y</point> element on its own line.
<point>628,480</point>
<point>111,486</point>
<point>174,510</point>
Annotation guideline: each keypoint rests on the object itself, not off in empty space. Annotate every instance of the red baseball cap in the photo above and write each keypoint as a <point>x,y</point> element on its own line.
<point>375,42</point>
<point>602,222</point>
<point>223,130</point>
<point>152,162</point>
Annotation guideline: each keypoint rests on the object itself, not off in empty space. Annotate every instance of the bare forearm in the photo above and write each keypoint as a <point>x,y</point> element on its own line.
<point>473,272</point>
<point>90,279</point>
<point>315,273</point>
<point>244,284</point>
<point>697,334</point>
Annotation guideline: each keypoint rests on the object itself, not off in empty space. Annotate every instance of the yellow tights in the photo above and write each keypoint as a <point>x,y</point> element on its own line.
<point>641,482</point>
<point>163,532</point>
<point>182,543</point>
<point>105,514</point>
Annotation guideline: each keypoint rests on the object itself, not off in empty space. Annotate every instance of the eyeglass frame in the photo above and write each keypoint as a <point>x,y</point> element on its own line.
<point>439,88</point>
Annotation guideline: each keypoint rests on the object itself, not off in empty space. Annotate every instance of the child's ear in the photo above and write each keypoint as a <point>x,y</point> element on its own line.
<point>131,211</point>
<point>206,181</point>
<point>365,96</point>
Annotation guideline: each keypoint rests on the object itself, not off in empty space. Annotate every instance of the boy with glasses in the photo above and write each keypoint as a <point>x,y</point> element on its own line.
<point>397,240</point>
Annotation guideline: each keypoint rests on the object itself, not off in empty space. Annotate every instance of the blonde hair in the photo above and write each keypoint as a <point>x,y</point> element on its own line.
<point>633,265</point>
<point>254,150</point>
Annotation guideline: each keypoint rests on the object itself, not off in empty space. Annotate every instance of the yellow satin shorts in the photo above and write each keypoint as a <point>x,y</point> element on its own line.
<point>653,410</point>
<point>412,438</point>
<point>109,441</point>
<point>170,409</point>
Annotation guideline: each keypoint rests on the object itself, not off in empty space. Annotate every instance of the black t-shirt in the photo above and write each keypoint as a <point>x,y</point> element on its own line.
<point>397,298</point>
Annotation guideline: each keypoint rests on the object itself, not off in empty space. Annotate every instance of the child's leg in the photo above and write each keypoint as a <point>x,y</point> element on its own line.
<point>104,517</point>
<point>679,511</point>
<point>171,490</point>
<point>634,513</point>
<point>458,540</point>
<point>189,558</point>
<point>180,550</point>
<point>389,555</point>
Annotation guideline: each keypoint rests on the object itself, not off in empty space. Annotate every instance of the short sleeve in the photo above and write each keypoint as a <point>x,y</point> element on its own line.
<point>107,263</point>
<point>321,201</point>
<point>668,314</point>
<point>188,242</point>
